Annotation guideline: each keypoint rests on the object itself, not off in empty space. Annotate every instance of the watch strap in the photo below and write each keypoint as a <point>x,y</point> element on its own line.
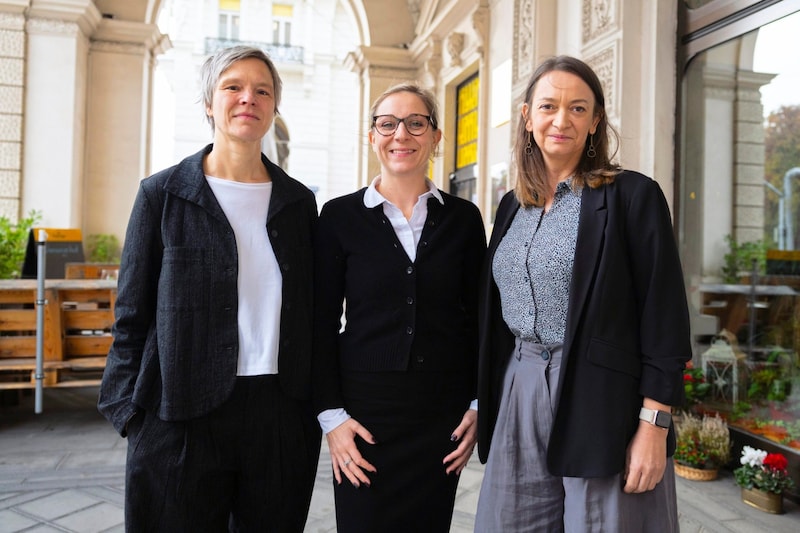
<point>658,418</point>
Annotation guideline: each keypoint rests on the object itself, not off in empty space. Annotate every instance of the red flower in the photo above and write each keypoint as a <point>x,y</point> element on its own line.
<point>775,461</point>
<point>687,378</point>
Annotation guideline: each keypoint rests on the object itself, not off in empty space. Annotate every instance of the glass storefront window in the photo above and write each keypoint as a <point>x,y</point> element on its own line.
<point>739,229</point>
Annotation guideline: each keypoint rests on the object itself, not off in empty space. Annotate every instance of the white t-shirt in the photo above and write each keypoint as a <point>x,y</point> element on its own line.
<point>259,283</point>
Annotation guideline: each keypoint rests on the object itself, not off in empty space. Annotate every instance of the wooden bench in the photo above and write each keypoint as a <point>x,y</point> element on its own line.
<point>78,315</point>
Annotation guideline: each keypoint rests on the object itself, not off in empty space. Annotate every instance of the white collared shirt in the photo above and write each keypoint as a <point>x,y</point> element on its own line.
<point>408,231</point>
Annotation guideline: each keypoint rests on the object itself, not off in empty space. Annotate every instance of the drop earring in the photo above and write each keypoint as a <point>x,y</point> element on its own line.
<point>529,146</point>
<point>591,152</point>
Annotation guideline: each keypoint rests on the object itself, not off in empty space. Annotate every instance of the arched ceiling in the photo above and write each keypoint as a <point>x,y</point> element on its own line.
<point>378,22</point>
<point>145,11</point>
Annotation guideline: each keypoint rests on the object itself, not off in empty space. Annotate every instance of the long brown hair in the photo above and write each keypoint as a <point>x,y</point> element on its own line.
<point>532,188</point>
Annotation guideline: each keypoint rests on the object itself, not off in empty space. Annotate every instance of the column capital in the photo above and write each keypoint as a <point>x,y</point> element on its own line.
<point>112,32</point>
<point>377,59</point>
<point>81,12</point>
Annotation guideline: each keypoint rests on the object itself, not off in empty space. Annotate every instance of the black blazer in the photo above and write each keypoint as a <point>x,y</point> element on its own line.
<point>627,331</point>
<point>176,341</point>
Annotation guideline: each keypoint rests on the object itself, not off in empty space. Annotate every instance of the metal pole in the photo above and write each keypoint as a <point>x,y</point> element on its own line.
<point>41,260</point>
<point>781,216</point>
<point>751,322</point>
<point>792,173</point>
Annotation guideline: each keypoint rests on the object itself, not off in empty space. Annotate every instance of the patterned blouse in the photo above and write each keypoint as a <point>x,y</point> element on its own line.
<point>533,267</point>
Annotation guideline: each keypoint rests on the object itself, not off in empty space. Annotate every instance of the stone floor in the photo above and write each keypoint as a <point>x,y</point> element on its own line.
<point>62,471</point>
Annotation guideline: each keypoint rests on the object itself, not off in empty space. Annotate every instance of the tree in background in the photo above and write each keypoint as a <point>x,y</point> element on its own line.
<point>781,153</point>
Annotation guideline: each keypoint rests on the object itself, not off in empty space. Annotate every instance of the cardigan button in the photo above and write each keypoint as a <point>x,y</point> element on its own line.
<point>409,300</point>
<point>420,359</point>
<point>409,330</point>
<point>410,270</point>
<point>274,233</point>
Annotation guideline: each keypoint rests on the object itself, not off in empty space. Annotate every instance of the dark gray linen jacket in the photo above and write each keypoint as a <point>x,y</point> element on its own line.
<point>175,345</point>
<point>627,332</point>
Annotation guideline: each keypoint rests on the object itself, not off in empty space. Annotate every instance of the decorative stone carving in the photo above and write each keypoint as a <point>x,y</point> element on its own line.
<point>12,71</point>
<point>136,49</point>
<point>414,10</point>
<point>433,65</point>
<point>455,45</point>
<point>480,23</point>
<point>53,26</point>
<point>9,184</point>
<point>605,66</point>
<point>12,43</point>
<point>600,17</point>
<point>523,40</point>
<point>10,98</point>
<point>12,21</point>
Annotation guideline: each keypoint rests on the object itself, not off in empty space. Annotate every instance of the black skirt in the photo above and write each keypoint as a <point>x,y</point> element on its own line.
<point>412,416</point>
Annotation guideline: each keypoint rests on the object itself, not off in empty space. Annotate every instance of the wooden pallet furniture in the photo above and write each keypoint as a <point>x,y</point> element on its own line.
<point>91,270</point>
<point>78,315</point>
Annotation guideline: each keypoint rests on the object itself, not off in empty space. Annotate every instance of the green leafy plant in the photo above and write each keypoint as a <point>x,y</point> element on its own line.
<point>13,241</point>
<point>762,385</point>
<point>740,257</point>
<point>702,442</point>
<point>695,386</point>
<point>103,248</point>
<point>764,471</point>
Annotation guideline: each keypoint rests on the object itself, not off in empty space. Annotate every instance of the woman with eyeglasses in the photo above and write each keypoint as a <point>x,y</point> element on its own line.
<point>395,386</point>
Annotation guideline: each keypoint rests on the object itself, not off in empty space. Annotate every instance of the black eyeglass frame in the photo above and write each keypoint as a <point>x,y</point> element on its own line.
<point>431,124</point>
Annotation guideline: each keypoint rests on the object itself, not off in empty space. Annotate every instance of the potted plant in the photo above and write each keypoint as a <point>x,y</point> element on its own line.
<point>763,477</point>
<point>703,446</point>
<point>695,386</point>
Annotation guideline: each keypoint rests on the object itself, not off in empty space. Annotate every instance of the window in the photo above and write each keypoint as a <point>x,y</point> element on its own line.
<point>229,19</point>
<point>739,217</point>
<point>282,24</point>
<point>463,181</point>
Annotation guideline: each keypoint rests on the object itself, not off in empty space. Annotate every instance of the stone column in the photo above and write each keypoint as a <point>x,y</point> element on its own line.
<point>118,109</point>
<point>54,110</point>
<point>12,61</point>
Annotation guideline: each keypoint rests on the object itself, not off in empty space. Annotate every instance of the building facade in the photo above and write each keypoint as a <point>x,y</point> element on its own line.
<point>697,89</point>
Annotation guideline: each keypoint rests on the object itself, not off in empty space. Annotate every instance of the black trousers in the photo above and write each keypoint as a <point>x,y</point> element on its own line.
<point>248,466</point>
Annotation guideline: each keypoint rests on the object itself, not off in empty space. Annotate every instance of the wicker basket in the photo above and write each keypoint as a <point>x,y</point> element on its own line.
<point>696,474</point>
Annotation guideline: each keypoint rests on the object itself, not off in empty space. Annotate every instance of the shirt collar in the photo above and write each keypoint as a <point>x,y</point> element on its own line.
<point>372,198</point>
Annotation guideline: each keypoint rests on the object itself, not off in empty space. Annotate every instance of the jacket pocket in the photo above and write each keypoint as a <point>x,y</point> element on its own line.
<point>183,279</point>
<point>613,357</point>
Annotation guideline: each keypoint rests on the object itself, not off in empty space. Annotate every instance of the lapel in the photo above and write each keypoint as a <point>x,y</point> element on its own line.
<point>188,182</point>
<point>591,231</point>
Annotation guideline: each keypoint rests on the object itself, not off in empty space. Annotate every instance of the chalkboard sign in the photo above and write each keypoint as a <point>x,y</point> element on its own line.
<point>783,262</point>
<point>63,246</point>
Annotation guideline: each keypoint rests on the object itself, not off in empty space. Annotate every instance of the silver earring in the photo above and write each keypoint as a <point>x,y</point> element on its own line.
<point>529,146</point>
<point>591,152</point>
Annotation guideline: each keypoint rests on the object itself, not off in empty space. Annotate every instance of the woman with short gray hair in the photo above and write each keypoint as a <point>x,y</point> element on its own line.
<point>209,372</point>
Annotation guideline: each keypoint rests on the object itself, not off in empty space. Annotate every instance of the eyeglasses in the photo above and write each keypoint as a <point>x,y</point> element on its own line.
<point>415,124</point>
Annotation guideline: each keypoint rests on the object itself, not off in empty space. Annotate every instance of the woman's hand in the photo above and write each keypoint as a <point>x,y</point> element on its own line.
<point>345,456</point>
<point>646,457</point>
<point>467,434</point>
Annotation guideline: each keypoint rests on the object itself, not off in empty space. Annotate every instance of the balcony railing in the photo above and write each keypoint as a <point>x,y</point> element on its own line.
<point>279,53</point>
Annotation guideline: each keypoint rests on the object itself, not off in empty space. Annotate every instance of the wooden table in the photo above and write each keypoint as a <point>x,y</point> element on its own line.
<point>730,302</point>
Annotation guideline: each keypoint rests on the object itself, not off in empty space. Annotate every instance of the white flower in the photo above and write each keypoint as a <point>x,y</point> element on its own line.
<point>752,457</point>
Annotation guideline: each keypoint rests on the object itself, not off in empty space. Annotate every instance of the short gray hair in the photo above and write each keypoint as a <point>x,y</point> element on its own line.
<point>217,64</point>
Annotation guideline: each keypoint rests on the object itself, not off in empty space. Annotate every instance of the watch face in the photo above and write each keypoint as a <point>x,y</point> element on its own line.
<point>663,419</point>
